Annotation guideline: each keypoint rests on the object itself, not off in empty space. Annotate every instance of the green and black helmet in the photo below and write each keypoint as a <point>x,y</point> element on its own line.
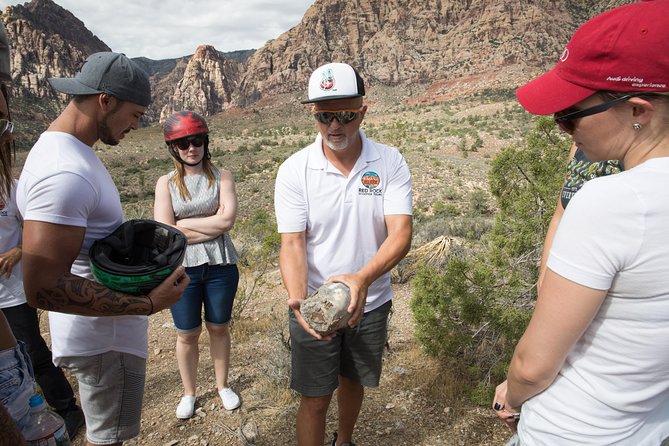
<point>137,256</point>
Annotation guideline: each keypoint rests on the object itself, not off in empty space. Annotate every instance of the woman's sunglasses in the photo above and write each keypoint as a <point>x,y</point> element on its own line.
<point>343,116</point>
<point>7,127</point>
<point>566,119</point>
<point>185,143</point>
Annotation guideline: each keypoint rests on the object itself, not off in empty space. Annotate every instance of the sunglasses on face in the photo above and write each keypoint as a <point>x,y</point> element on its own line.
<point>566,119</point>
<point>6,127</point>
<point>185,143</point>
<point>343,116</point>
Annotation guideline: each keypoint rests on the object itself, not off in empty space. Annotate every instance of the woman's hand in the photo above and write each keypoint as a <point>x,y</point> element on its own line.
<point>509,415</point>
<point>8,260</point>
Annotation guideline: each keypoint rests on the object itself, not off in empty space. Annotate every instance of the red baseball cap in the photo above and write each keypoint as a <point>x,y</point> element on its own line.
<point>624,49</point>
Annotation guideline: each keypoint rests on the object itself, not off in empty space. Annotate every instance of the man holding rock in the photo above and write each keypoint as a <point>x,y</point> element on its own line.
<point>343,207</point>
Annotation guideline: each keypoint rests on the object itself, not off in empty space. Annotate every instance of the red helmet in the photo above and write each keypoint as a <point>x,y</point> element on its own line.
<point>184,123</point>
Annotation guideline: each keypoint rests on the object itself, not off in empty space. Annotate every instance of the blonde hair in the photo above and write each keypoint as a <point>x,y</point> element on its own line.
<point>178,178</point>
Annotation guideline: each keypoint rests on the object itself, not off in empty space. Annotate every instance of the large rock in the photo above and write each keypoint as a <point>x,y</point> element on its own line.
<point>325,309</point>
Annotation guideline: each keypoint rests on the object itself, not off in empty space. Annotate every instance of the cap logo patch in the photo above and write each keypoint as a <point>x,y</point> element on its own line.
<point>565,55</point>
<point>327,80</point>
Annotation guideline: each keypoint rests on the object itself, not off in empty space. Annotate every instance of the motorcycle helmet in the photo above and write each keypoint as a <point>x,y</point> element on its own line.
<point>137,256</point>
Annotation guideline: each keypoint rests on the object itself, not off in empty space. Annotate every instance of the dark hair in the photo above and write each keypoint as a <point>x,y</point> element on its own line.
<point>7,156</point>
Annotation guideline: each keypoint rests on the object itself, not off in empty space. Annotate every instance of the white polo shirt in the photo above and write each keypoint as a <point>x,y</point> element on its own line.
<point>343,216</point>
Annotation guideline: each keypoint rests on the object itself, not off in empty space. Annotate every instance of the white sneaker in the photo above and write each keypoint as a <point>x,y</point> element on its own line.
<point>186,407</point>
<point>229,398</point>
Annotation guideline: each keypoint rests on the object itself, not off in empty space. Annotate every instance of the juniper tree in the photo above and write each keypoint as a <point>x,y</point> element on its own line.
<point>473,310</point>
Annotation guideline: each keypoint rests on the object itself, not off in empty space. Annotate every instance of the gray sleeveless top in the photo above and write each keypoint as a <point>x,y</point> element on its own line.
<point>204,202</point>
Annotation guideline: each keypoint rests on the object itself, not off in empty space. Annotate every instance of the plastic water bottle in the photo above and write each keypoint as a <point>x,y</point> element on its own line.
<point>46,427</point>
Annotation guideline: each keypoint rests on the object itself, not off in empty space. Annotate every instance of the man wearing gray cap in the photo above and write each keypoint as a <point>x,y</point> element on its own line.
<point>343,207</point>
<point>22,318</point>
<point>68,200</point>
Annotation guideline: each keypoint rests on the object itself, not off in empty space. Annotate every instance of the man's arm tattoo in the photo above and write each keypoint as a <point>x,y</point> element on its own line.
<point>76,295</point>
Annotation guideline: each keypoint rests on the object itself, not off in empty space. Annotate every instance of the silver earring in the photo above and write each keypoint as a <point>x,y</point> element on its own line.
<point>636,126</point>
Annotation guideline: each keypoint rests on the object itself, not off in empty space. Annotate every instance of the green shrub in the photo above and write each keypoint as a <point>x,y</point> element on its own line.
<point>474,309</point>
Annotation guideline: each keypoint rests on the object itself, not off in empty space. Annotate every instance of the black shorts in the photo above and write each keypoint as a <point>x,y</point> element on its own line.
<point>354,353</point>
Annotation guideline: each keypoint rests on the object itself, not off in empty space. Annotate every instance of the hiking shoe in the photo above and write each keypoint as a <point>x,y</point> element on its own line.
<point>334,441</point>
<point>186,407</point>
<point>229,398</point>
<point>74,419</point>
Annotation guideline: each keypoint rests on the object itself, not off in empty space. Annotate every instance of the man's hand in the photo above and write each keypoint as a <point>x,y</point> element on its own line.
<point>358,288</point>
<point>170,290</point>
<point>295,305</point>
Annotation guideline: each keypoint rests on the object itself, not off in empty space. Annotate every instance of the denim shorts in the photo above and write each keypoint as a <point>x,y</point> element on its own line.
<point>17,383</point>
<point>354,353</point>
<point>212,287</point>
<point>111,389</point>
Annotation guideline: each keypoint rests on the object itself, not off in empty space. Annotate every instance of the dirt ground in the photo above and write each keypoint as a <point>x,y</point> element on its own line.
<point>404,410</point>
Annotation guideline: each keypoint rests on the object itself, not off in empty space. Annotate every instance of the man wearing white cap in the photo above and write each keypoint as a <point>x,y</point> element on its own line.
<point>343,207</point>
<point>68,200</point>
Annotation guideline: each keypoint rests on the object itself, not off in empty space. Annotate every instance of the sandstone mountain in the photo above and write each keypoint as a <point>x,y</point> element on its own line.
<point>206,85</point>
<point>47,41</point>
<point>421,44</point>
<point>431,49</point>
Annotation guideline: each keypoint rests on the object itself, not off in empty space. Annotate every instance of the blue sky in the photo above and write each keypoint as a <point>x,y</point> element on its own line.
<point>163,29</point>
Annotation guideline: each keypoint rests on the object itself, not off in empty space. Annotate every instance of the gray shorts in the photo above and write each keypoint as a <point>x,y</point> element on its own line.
<point>354,353</point>
<point>111,388</point>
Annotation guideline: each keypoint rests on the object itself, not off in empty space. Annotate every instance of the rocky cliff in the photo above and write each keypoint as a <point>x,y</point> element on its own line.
<point>431,49</point>
<point>47,41</point>
<point>430,43</point>
<point>206,85</point>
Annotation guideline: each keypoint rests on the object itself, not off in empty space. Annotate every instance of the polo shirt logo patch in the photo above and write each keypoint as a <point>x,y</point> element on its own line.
<point>371,181</point>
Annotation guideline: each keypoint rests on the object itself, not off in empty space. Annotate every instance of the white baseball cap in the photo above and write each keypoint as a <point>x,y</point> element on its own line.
<point>334,81</point>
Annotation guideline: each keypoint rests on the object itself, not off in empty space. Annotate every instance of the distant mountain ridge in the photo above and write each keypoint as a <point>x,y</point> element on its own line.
<point>424,46</point>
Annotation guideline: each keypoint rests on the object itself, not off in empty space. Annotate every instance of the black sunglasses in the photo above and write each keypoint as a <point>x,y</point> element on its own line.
<point>343,116</point>
<point>566,120</point>
<point>185,143</point>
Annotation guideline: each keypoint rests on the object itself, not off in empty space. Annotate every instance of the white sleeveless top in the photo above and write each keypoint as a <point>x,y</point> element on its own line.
<point>204,202</point>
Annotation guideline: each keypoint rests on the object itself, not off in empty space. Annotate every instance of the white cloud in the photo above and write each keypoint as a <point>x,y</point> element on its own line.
<point>161,29</point>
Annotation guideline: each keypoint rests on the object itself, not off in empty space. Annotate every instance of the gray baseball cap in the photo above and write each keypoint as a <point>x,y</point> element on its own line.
<point>5,67</point>
<point>111,73</point>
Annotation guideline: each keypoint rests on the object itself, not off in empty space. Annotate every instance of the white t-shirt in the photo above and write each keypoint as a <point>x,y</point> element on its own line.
<point>343,216</point>
<point>613,388</point>
<point>11,288</point>
<point>64,182</point>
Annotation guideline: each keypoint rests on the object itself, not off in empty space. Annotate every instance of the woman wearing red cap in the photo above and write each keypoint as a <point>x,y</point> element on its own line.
<point>593,364</point>
<point>201,201</point>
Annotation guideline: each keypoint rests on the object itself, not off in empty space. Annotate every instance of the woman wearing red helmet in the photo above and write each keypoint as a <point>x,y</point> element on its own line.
<point>201,201</point>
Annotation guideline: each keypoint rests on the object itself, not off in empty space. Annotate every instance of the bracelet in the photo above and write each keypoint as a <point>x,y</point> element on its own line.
<point>151,302</point>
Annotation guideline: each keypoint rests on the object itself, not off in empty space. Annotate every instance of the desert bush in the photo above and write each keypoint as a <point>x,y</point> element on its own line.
<point>474,309</point>
<point>478,202</point>
<point>259,246</point>
<point>442,209</point>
